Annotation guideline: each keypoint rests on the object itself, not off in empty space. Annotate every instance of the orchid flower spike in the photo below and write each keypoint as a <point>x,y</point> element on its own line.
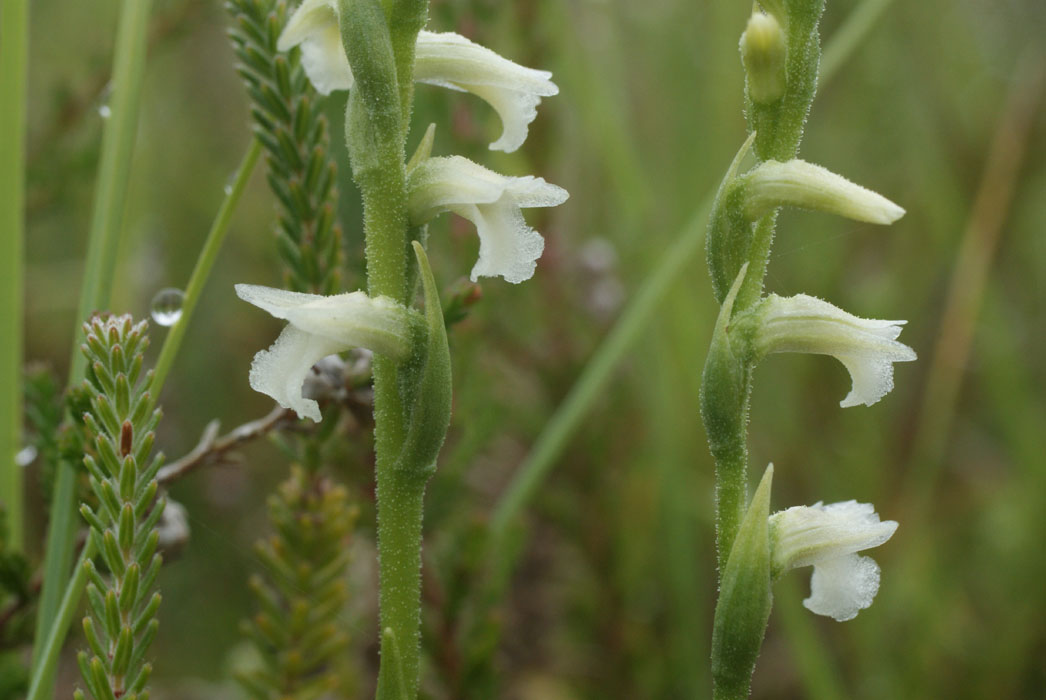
<point>321,326</point>
<point>828,537</point>
<point>507,245</point>
<point>801,323</point>
<point>445,59</point>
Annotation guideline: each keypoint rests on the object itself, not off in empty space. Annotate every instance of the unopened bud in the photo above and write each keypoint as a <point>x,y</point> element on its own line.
<point>801,184</point>
<point>763,55</point>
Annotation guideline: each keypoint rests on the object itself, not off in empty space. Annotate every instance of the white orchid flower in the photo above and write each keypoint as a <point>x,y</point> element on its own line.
<point>320,326</point>
<point>866,347</point>
<point>445,59</point>
<point>507,245</point>
<point>828,538</point>
<point>514,91</point>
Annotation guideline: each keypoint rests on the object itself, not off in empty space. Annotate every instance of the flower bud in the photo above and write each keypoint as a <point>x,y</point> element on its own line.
<point>763,53</point>
<point>800,184</point>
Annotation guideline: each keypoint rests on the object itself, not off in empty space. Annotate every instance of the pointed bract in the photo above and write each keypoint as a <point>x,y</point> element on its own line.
<point>507,245</point>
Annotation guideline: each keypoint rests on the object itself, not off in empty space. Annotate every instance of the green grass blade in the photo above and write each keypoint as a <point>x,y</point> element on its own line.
<point>14,50</point>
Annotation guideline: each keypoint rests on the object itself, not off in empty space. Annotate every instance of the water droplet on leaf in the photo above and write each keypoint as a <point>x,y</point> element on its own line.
<point>104,111</point>
<point>167,306</point>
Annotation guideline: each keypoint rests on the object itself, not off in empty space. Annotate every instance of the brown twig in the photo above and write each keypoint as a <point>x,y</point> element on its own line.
<point>212,449</point>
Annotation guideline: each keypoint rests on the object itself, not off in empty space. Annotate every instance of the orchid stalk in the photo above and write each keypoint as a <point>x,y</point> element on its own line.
<point>780,50</point>
<point>376,50</point>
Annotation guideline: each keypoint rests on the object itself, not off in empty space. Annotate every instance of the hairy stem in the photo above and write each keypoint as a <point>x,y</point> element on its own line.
<point>379,44</point>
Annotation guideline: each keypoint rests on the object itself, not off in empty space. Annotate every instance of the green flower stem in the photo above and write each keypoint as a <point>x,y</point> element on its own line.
<point>102,244</point>
<point>379,43</point>
<point>204,264</point>
<point>571,413</point>
<point>406,19</point>
<point>14,52</point>
<point>759,256</point>
<point>400,506</point>
<point>43,672</point>
<point>778,130</point>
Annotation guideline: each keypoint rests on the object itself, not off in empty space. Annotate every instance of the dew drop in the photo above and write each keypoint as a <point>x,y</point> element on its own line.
<point>104,111</point>
<point>167,306</point>
<point>229,182</point>
<point>25,456</point>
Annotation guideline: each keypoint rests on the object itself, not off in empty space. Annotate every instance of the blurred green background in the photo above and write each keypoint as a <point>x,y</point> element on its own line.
<point>614,592</point>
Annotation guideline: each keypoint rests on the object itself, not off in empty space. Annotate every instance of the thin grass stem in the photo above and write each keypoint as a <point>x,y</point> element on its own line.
<point>204,264</point>
<point>102,245</point>
<point>43,672</point>
<point>14,51</point>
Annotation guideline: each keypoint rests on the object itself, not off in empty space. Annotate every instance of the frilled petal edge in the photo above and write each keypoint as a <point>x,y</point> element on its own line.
<point>842,587</point>
<point>280,371</point>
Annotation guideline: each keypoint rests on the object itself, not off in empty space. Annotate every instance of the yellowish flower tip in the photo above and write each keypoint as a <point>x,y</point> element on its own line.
<point>763,54</point>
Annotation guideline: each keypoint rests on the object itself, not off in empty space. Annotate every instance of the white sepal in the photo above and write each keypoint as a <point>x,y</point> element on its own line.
<point>314,27</point>
<point>320,326</point>
<point>514,91</point>
<point>866,347</point>
<point>507,245</point>
<point>441,58</point>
